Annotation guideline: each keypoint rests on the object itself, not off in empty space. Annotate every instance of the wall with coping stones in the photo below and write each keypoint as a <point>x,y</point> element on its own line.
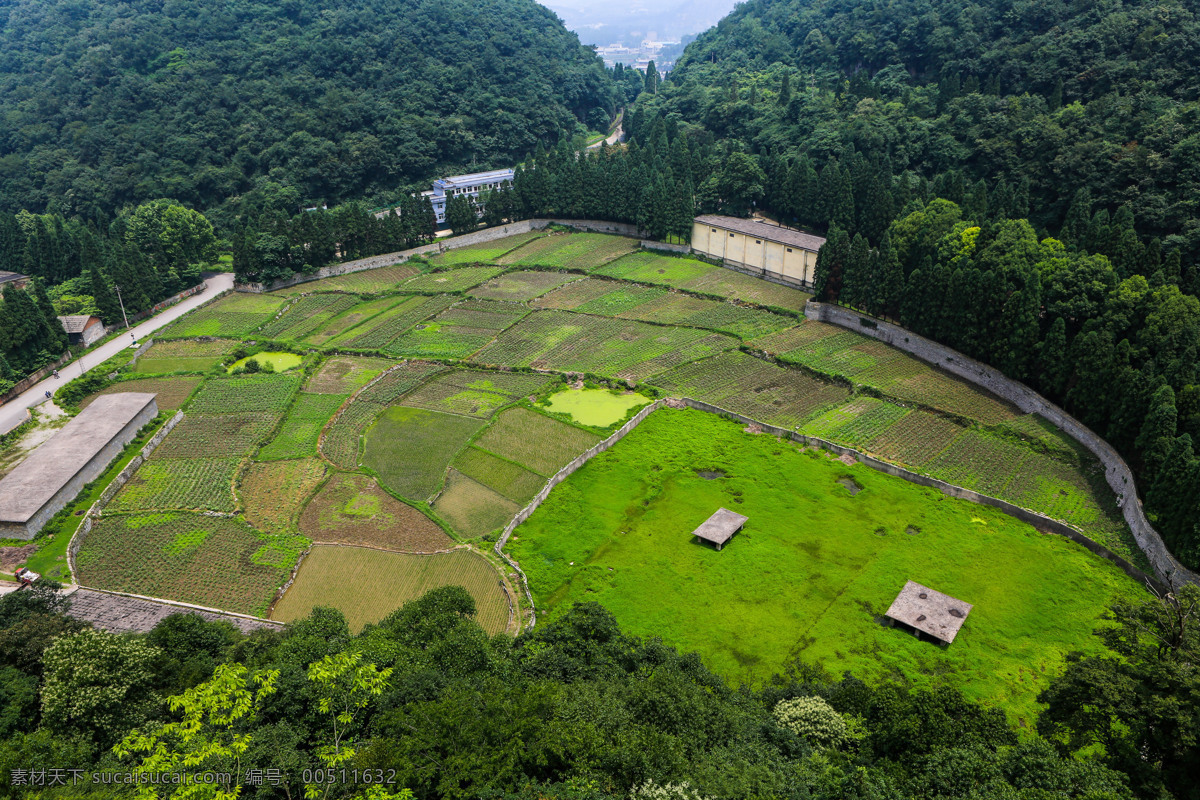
<point>441,246</point>
<point>555,480</point>
<point>1116,472</point>
<point>122,478</point>
<point>648,244</point>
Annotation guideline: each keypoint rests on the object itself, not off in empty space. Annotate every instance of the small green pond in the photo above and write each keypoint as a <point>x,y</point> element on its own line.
<point>280,361</point>
<point>598,407</point>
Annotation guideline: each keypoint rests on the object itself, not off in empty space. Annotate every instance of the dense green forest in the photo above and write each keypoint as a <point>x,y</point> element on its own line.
<point>236,107</point>
<point>573,709</point>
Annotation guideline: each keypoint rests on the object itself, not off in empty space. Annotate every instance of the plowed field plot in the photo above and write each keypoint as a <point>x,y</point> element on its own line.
<point>352,316</point>
<point>353,509</point>
<point>814,567</point>
<point>475,393</point>
<point>367,585</point>
<point>534,441</point>
<point>451,280</point>
<point>368,281</point>
<point>916,439</point>
<point>521,286</point>
<point>188,483</point>
<point>571,251</point>
<point>210,561</point>
<point>184,355</point>
<point>680,309</point>
<point>273,493</point>
<point>471,508</point>
<point>297,436</point>
<point>410,448</point>
<point>345,374</point>
<point>169,393</point>
<point>245,393</point>
<point>217,435</point>
<point>233,315</point>
<point>567,342</point>
<point>377,332</point>
<point>697,276</point>
<point>754,388</point>
<point>343,437</point>
<point>506,478</point>
<point>486,252</point>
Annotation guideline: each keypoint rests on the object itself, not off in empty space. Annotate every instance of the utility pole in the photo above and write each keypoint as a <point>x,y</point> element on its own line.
<point>122,302</point>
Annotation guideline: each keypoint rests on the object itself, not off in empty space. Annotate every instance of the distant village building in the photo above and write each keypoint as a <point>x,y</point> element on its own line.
<point>468,185</point>
<point>53,474</point>
<point>928,613</point>
<point>13,279</point>
<point>758,248</point>
<point>82,329</point>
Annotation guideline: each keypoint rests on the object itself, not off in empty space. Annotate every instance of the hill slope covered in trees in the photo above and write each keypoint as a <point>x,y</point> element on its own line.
<point>103,105</point>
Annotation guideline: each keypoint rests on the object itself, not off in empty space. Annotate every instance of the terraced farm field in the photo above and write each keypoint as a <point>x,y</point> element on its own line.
<point>450,280</point>
<point>170,393</point>
<point>371,281</point>
<point>579,251</point>
<point>353,509</point>
<point>692,275</point>
<point>367,585</point>
<point>183,355</point>
<point>410,448</point>
<point>233,315</point>
<point>485,253</point>
<point>521,286</point>
<point>273,493</point>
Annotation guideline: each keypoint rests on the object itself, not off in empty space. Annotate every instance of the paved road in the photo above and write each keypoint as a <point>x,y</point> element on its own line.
<point>617,135</point>
<point>13,412</point>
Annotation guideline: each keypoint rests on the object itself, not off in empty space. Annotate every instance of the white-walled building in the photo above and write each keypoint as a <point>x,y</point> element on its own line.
<point>469,185</point>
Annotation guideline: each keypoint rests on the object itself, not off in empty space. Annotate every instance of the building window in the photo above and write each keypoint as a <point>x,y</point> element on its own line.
<point>731,236</point>
<point>756,241</point>
<point>714,230</point>
<point>789,249</point>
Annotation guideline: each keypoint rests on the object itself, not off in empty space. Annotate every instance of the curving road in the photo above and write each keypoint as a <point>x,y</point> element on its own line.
<point>12,413</point>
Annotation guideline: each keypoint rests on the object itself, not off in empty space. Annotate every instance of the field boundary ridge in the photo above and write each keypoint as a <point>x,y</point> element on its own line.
<point>1117,473</point>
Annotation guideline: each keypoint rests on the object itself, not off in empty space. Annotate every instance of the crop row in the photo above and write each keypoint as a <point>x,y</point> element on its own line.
<point>450,280</point>
<point>518,287</point>
<point>190,483</point>
<point>368,281</point>
<point>217,435</point>
<point>353,509</point>
<point>485,252</point>
<point>474,393</point>
<point>313,317</point>
<point>345,374</point>
<point>297,437</point>
<point>471,508</point>
<point>535,441</point>
<point>273,492</point>
<point>697,276</point>
<point>571,251</point>
<point>680,309</point>
<point>246,393</point>
<point>410,448</point>
<point>375,333</point>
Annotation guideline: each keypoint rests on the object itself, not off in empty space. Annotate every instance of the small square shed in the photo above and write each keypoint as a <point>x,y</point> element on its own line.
<point>925,611</point>
<point>720,527</point>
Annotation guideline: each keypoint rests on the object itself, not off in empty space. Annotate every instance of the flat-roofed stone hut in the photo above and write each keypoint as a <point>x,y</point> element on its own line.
<point>52,475</point>
<point>720,527</point>
<point>924,611</point>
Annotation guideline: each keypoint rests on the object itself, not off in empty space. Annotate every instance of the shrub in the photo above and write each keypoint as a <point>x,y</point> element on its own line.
<point>252,365</point>
<point>814,720</point>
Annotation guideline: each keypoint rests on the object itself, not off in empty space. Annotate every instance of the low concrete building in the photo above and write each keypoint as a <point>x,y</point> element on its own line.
<point>14,279</point>
<point>82,328</point>
<point>758,248</point>
<point>52,475</point>
<point>720,527</point>
<point>924,611</point>
<point>468,186</point>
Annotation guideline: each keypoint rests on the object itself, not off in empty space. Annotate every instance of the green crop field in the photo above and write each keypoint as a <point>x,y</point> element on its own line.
<point>473,392</point>
<point>680,309</point>
<point>471,508</point>
<point>484,253</point>
<point>697,276</point>
<point>410,448</point>
<point>367,585</point>
<point>368,281</point>
<point>571,251</point>
<point>355,314</point>
<point>188,483</point>
<point>451,280</point>
<point>377,332</point>
<point>814,567</point>
<point>916,439</point>
<point>506,478</point>
<point>183,355</point>
<point>217,435</point>
<point>210,561</point>
<point>754,388</point>
<point>297,437</point>
<point>856,423</point>
<point>345,374</point>
<point>273,493</point>
<point>170,393</point>
<point>569,342</point>
<point>295,322</point>
<point>537,442</point>
<point>521,286</point>
<point>353,509</point>
<point>577,293</point>
<point>245,393</point>
<point>233,315</point>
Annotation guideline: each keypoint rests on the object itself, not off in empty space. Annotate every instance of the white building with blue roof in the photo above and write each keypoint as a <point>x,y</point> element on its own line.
<point>469,185</point>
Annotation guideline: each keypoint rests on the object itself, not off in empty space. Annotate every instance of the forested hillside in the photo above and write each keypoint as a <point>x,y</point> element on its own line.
<point>269,105</point>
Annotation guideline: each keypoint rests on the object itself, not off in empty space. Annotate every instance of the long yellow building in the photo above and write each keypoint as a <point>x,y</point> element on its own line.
<point>758,248</point>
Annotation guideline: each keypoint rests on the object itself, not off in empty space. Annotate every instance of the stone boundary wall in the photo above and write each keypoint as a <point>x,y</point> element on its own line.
<point>186,606</point>
<point>555,480</point>
<point>1034,518</point>
<point>1116,472</point>
<point>33,378</point>
<point>441,246</point>
<point>142,348</point>
<point>648,244</point>
<point>85,527</point>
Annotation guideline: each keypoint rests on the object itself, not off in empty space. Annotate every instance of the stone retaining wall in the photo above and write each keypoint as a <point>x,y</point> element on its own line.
<point>555,480</point>
<point>648,244</point>
<point>85,527</point>
<point>1116,472</point>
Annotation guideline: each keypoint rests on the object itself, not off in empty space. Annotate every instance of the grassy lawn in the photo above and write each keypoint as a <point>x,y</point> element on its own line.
<point>814,568</point>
